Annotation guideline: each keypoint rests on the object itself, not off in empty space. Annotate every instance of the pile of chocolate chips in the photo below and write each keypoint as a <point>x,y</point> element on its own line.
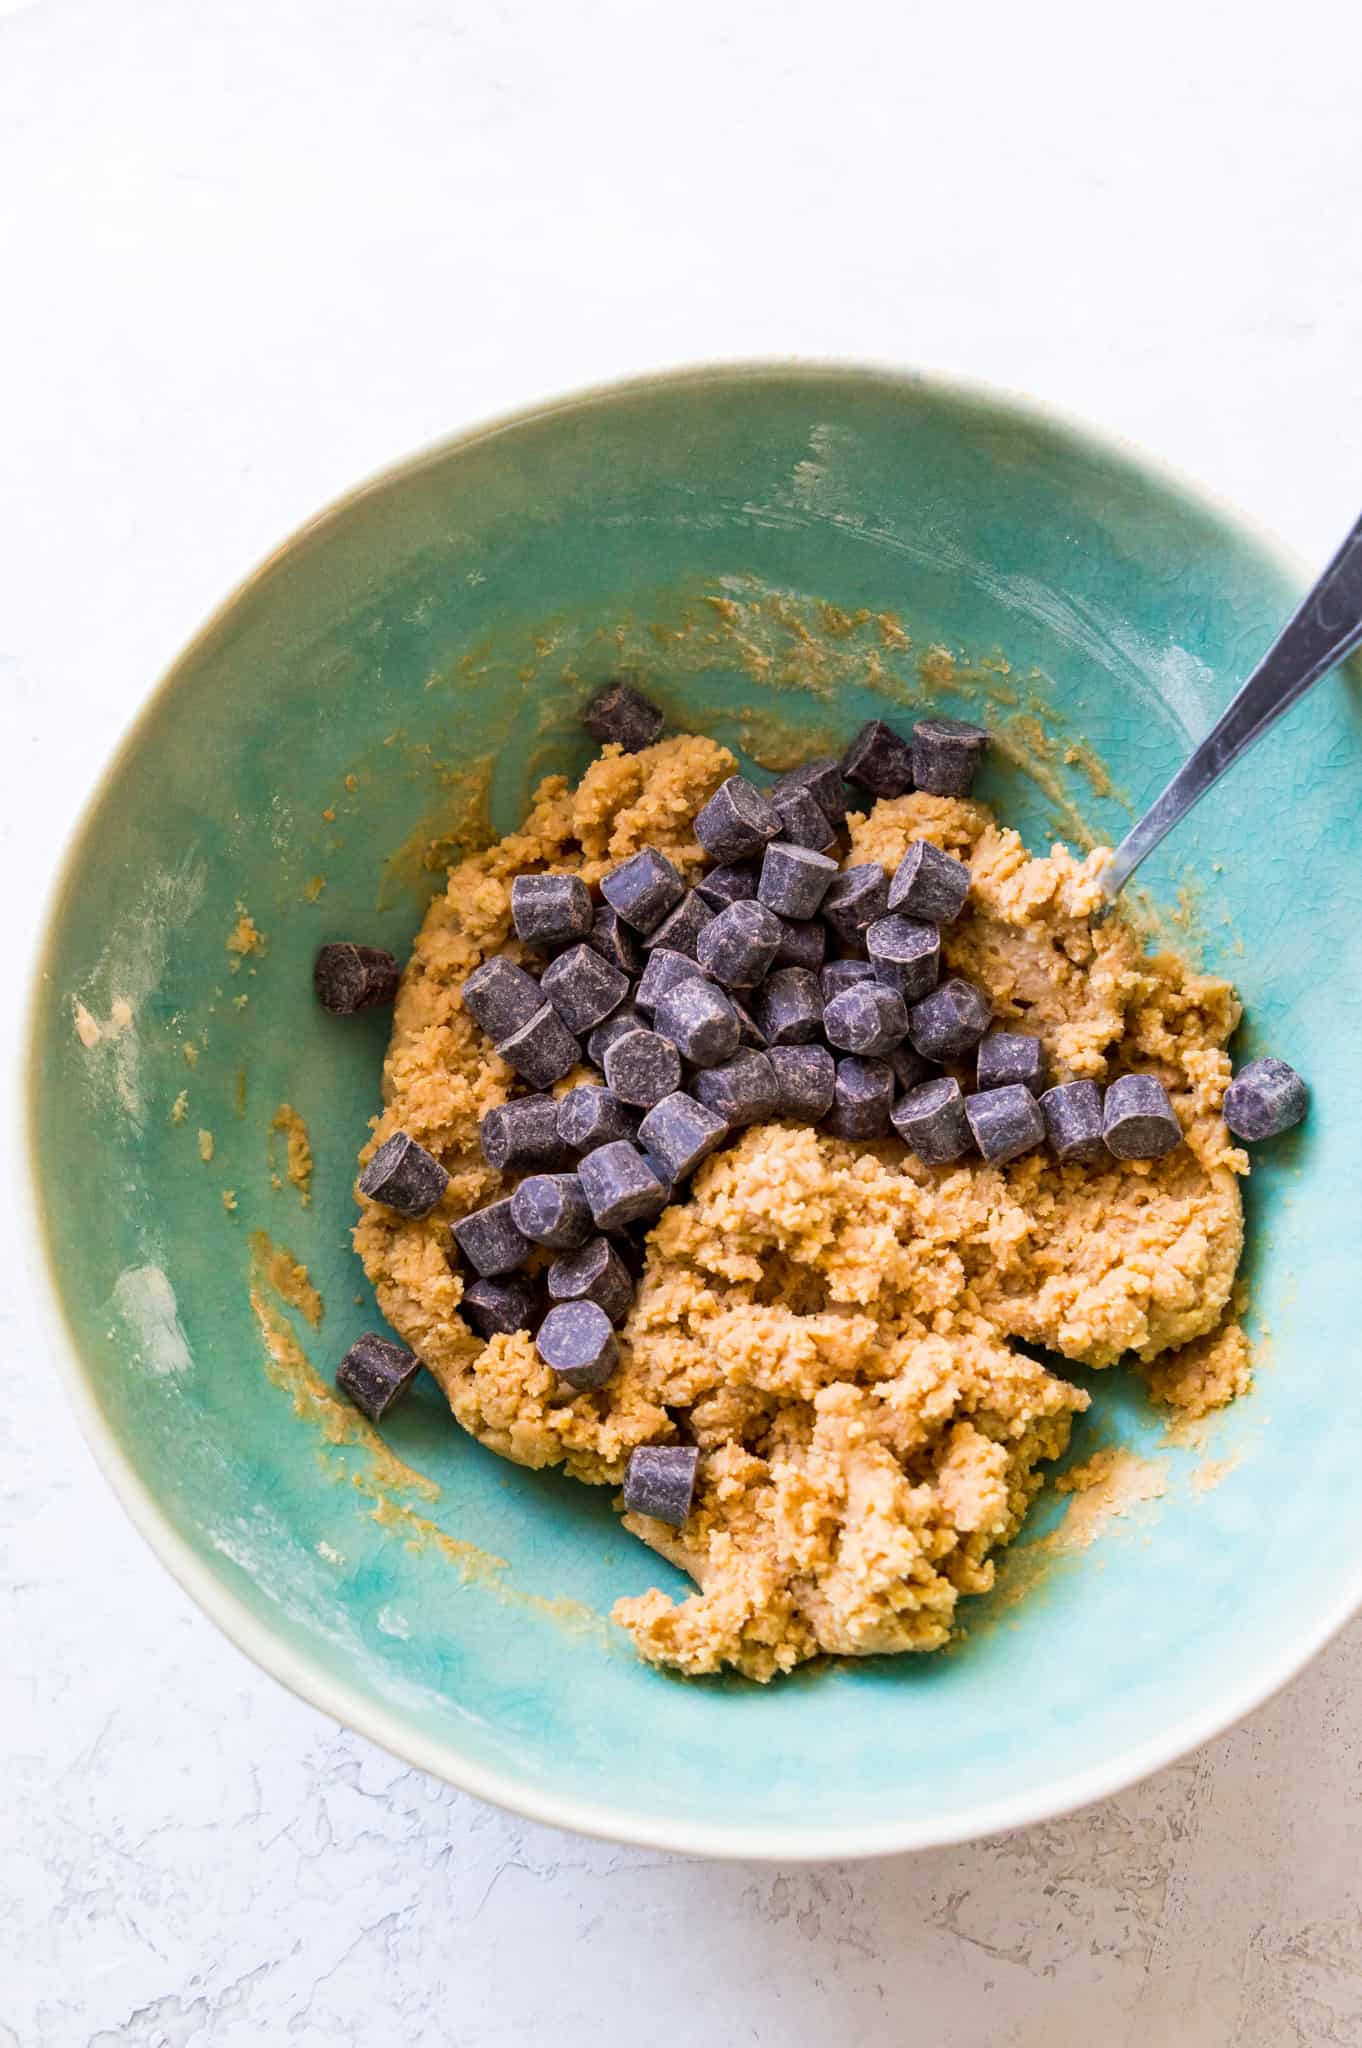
<point>780,985</point>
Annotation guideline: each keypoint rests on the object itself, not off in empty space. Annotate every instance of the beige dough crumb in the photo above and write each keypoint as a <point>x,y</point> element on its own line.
<point>1106,1487</point>
<point>229,1200</point>
<point>179,1108</point>
<point>205,1146</point>
<point>287,1119</point>
<point>243,939</point>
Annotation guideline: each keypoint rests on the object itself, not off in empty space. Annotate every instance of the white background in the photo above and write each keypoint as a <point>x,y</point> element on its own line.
<point>251,250</point>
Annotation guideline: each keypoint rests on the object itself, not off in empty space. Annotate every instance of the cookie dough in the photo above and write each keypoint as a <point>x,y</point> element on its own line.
<point>838,1326</point>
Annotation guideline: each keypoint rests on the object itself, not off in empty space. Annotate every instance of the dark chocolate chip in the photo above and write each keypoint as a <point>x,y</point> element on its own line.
<point>522,1136</point>
<point>950,1021</point>
<point>905,954</point>
<point>500,997</point>
<point>910,1069</point>
<point>550,910</point>
<point>1138,1120</point>
<point>550,1209</point>
<point>742,1091</point>
<point>803,943</point>
<point>736,882</point>
<point>589,1116</point>
<point>541,1051</point>
<point>1265,1098</point>
<point>349,978</point>
<point>678,1133</point>
<point>681,927</point>
<point>789,1006</point>
<point>740,944</point>
<point>1008,1056</point>
<point>1005,1121</point>
<point>489,1240</point>
<point>664,971</point>
<point>375,1374</point>
<point>803,821</point>
<point>749,1031</point>
<point>583,988</point>
<point>946,755</point>
<point>612,938</point>
<point>867,1019</point>
<point>660,1482</point>
<point>403,1176</point>
<point>577,1341</point>
<point>620,713</point>
<point>643,889</point>
<point>621,1186</point>
<point>844,974</point>
<point>737,821</point>
<point>642,1067</point>
<point>1073,1121</point>
<point>618,1025</point>
<point>794,879</point>
<point>863,1095</point>
<point>596,1273</point>
<point>700,1021</point>
<point>855,899</point>
<point>880,760</point>
<point>823,781</point>
<point>932,1123</point>
<point>929,884</point>
<point>805,1080</point>
<point>498,1308</point>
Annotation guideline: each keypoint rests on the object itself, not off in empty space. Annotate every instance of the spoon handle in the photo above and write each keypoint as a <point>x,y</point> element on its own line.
<point>1327,627</point>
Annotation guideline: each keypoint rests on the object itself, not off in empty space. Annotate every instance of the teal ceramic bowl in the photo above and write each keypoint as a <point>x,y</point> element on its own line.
<point>783,551</point>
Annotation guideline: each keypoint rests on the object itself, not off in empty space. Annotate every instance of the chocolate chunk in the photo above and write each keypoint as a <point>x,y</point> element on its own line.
<point>910,1069</point>
<point>789,1006</point>
<point>1265,1098</point>
<point>664,971</point>
<point>376,1374</point>
<point>618,1025</point>
<point>660,1482</point>
<point>541,1051</point>
<point>749,1031</point>
<point>1138,1120</point>
<point>681,927</point>
<point>950,1021</point>
<point>700,1021</point>
<point>946,755</point>
<point>595,1272</point>
<point>583,988</point>
<point>349,978</point>
<point>742,1091</point>
<point>577,1341</point>
<point>1073,1121</point>
<point>880,760</point>
<point>803,821</point>
<point>498,1308</point>
<point>844,974</point>
<point>794,879</point>
<point>500,997</point>
<point>803,943</point>
<point>929,884</point>
<point>642,1067</point>
<point>489,1240</point>
<point>403,1176</point>
<point>805,1079</point>
<point>736,882</point>
<point>737,821</point>
<point>550,1209</point>
<point>643,889</point>
<point>522,1136</point>
<point>905,954</point>
<point>589,1116</point>
<point>620,713</point>
<point>1012,1056</point>
<point>611,937</point>
<point>823,781</point>
<point>740,944</point>
<point>1005,1121</point>
<point>678,1133</point>
<point>862,1097</point>
<point>621,1186</point>
<point>855,899</point>
<point>932,1123</point>
<point>867,1019</point>
<point>550,910</point>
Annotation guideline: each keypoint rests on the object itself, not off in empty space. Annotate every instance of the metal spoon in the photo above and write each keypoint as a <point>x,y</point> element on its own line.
<point>1327,627</point>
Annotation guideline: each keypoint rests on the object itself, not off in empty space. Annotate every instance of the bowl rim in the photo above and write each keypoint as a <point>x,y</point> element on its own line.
<point>269,1647</point>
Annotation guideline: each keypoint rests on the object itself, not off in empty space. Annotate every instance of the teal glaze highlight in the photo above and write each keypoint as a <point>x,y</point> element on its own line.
<point>451,614</point>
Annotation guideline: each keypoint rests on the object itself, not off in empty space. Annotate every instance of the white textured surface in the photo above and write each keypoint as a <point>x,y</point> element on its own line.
<point>250,252</point>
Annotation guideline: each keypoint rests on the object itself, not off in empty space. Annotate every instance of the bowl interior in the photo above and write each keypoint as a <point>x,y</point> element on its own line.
<point>780,553</point>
